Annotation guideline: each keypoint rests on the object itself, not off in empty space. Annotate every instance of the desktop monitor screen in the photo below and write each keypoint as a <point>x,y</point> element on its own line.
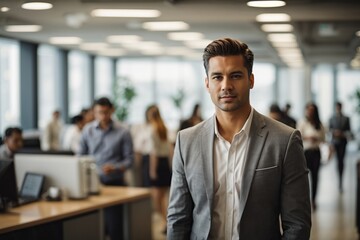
<point>8,186</point>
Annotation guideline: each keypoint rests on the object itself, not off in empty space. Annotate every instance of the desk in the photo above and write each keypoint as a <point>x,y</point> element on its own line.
<point>84,217</point>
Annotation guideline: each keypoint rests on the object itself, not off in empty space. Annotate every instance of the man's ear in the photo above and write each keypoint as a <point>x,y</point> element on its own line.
<point>251,79</point>
<point>207,83</point>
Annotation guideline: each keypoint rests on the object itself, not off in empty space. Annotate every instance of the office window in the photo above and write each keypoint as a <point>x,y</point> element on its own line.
<point>347,82</point>
<point>103,77</point>
<point>322,85</point>
<point>9,84</point>
<point>140,72</point>
<point>172,76</point>
<point>79,82</point>
<point>262,95</point>
<point>49,94</point>
<point>156,80</point>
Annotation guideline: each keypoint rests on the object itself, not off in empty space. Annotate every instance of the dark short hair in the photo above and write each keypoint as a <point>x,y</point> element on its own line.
<point>11,130</point>
<point>228,47</point>
<point>103,101</point>
<point>76,119</point>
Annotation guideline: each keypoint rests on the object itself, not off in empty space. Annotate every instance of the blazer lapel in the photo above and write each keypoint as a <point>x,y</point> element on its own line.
<point>207,145</point>
<point>257,140</point>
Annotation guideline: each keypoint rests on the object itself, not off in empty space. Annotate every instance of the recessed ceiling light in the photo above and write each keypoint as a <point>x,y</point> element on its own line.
<point>165,26</point>
<point>266,4</point>
<point>32,5</point>
<point>273,17</point>
<point>23,28</point>
<point>282,37</point>
<point>65,40</point>
<point>123,38</point>
<point>284,44</point>
<point>4,9</point>
<point>185,36</point>
<point>140,13</point>
<point>277,27</point>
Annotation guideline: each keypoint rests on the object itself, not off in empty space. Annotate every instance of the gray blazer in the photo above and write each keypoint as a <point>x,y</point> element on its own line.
<point>275,183</point>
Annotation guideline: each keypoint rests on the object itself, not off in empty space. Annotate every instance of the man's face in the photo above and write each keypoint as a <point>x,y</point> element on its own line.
<point>228,83</point>
<point>14,142</point>
<point>103,113</point>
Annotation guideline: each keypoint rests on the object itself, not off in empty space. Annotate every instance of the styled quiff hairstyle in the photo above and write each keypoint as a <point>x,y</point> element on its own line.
<point>228,47</point>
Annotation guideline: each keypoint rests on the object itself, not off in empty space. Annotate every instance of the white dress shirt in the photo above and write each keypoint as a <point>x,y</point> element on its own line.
<point>229,160</point>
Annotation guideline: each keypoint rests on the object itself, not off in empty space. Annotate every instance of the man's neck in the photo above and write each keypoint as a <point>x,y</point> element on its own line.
<point>104,125</point>
<point>230,123</point>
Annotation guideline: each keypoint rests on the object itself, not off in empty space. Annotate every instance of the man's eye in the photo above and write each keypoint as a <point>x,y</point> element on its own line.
<point>236,76</point>
<point>216,77</point>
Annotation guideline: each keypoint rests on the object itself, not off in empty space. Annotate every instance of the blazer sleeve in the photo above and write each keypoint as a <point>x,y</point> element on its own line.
<point>179,218</point>
<point>295,194</point>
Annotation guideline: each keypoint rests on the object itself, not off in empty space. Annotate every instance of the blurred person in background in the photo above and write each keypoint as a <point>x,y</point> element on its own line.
<point>13,141</point>
<point>287,119</point>
<point>51,140</point>
<point>110,143</point>
<point>194,119</point>
<point>73,134</point>
<point>339,127</point>
<point>313,134</point>
<point>160,157</point>
<point>142,136</point>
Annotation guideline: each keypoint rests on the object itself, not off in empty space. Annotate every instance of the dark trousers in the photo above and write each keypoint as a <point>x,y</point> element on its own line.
<point>313,158</point>
<point>113,216</point>
<point>146,182</point>
<point>340,149</point>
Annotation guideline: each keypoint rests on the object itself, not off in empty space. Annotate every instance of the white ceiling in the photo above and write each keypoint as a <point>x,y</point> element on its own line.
<point>325,29</point>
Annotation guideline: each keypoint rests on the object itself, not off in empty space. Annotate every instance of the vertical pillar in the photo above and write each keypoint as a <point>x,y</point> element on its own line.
<point>28,85</point>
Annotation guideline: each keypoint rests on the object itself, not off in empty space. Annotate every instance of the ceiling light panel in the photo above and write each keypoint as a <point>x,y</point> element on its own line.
<point>126,13</point>
<point>273,17</point>
<point>266,4</point>
<point>65,40</point>
<point>93,46</point>
<point>36,5</point>
<point>185,36</point>
<point>23,28</point>
<point>277,27</point>
<point>165,26</point>
<point>123,38</point>
<point>281,37</point>
<point>4,9</point>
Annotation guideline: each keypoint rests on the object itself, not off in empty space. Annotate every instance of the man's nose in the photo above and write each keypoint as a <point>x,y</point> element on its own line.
<point>226,84</point>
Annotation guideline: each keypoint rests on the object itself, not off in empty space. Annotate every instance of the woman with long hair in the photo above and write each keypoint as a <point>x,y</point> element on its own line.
<point>160,167</point>
<point>313,134</point>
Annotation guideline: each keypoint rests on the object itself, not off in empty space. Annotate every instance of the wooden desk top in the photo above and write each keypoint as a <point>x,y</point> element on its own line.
<point>33,214</point>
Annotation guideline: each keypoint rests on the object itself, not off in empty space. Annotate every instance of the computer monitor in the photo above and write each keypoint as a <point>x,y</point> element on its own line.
<point>8,186</point>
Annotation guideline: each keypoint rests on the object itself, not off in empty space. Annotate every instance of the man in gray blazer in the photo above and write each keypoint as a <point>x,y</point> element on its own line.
<point>239,174</point>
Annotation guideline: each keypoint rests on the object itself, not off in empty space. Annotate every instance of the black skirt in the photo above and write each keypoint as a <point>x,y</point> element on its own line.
<point>163,173</point>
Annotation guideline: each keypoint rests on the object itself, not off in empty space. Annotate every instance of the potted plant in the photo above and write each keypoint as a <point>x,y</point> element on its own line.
<point>124,93</point>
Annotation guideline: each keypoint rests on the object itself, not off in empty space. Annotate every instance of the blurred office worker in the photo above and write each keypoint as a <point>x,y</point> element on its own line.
<point>13,141</point>
<point>339,126</point>
<point>51,135</point>
<point>239,174</point>
<point>111,145</point>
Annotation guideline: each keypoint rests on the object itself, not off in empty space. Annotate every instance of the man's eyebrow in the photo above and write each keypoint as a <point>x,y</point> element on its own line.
<point>215,73</point>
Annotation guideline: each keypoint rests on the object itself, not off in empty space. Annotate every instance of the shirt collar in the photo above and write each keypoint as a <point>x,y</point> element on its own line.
<point>245,128</point>
<point>97,124</point>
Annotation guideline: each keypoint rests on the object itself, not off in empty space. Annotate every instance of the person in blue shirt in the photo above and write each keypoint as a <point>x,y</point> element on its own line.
<point>112,147</point>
